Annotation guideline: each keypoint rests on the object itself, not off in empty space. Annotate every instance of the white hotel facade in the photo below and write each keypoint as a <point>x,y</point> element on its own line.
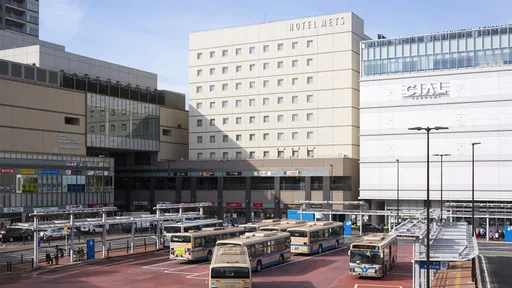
<point>459,79</point>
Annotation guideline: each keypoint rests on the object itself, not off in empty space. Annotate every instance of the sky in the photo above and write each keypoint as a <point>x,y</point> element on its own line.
<point>152,35</point>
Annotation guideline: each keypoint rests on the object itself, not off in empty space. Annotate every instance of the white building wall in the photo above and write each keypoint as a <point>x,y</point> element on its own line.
<point>333,91</point>
<point>476,109</point>
<point>10,40</point>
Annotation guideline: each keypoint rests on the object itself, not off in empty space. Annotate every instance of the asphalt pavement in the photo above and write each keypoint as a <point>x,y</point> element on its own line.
<point>494,260</point>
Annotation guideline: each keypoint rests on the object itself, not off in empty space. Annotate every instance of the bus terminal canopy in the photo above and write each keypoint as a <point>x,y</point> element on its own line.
<point>187,205</point>
<point>411,228</point>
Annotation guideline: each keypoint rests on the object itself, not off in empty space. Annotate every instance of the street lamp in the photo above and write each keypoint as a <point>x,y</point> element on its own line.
<point>473,267</point>
<point>442,155</point>
<point>397,191</point>
<point>428,129</point>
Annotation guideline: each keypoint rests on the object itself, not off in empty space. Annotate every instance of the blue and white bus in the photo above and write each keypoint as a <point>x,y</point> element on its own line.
<point>185,226</point>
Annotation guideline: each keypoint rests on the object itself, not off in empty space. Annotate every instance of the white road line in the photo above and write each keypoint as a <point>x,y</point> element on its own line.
<point>486,273</point>
<point>157,264</point>
<point>199,278</point>
<point>193,275</point>
<point>399,273</point>
<point>374,285</point>
<point>306,258</point>
<point>179,272</point>
<point>83,270</point>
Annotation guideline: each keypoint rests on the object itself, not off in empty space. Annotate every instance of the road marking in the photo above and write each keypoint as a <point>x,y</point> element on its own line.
<point>158,264</point>
<point>457,274</point>
<point>486,273</point>
<point>306,258</point>
<point>399,273</point>
<point>179,272</point>
<point>192,276</point>
<point>375,285</point>
<point>82,270</point>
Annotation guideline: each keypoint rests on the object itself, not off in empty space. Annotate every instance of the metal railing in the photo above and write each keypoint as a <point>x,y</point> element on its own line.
<point>17,4</point>
<point>15,29</point>
<point>17,17</point>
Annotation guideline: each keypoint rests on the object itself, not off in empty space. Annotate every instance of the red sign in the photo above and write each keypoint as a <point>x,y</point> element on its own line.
<point>96,205</point>
<point>7,171</point>
<point>234,204</point>
<point>257,205</point>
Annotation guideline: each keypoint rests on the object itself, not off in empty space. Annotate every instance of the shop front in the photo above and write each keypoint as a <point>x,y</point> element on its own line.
<point>209,212</point>
<point>234,213</point>
<point>140,206</point>
<point>262,211</point>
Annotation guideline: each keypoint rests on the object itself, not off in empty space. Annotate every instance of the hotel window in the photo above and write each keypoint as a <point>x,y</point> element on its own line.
<point>212,155</point>
<point>238,68</point>
<point>212,122</point>
<point>280,100</point>
<point>225,155</point>
<point>265,83</point>
<point>199,89</point>
<point>224,87</point>
<point>199,105</point>
<point>199,139</point>
<point>199,72</point>
<point>252,155</point>
<point>238,51</point>
<point>280,64</point>
<point>212,105</point>
<point>252,119</point>
<point>295,63</point>
<point>238,86</point>
<point>225,121</point>
<point>280,154</point>
<point>279,82</point>
<point>311,153</point>
<point>310,44</point>
<point>265,136</point>
<point>212,54</point>
<point>280,118</point>
<point>252,102</point>
<point>295,117</point>
<point>265,48</point>
<point>252,85</point>
<point>123,127</point>
<point>212,88</point>
<point>266,119</point>
<point>309,62</point>
<point>310,134</point>
<point>295,81</point>
<point>225,138</point>
<point>280,136</point>
<point>238,103</point>
<point>212,139</point>
<point>199,155</point>
<point>112,112</point>
<point>102,128</point>
<point>224,104</point>
<point>310,80</point>
<point>239,155</point>
<point>238,137</point>
<point>309,116</point>
<point>212,71</point>
<point>265,66</point>
<point>252,137</point>
<point>295,135</point>
<point>199,55</point>
<point>265,154</point>
<point>294,45</point>
<point>252,67</point>
<point>238,120</point>
<point>280,47</point>
<point>295,99</point>
<point>224,70</point>
<point>224,53</point>
<point>265,101</point>
<point>295,154</point>
<point>199,123</point>
<point>309,98</point>
<point>252,50</point>
<point>91,129</point>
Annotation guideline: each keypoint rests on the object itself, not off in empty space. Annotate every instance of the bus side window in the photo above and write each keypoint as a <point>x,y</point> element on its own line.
<point>210,241</point>
<point>259,250</point>
<point>198,242</point>
<point>250,251</point>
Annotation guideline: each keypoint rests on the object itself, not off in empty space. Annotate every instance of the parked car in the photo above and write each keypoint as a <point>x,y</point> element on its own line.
<point>57,233</point>
<point>371,228</point>
<point>13,233</point>
<point>92,229</point>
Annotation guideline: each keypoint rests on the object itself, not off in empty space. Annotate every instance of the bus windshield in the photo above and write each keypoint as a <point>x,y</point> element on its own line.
<point>172,229</point>
<point>295,233</point>
<point>364,256</point>
<point>181,239</point>
<point>250,228</point>
<point>230,272</point>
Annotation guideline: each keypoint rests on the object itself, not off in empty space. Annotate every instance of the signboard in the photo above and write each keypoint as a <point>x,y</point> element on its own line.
<point>7,171</point>
<point>425,90</point>
<point>73,163</point>
<point>119,203</point>
<point>50,172</point>
<point>74,172</point>
<point>292,173</point>
<point>97,164</point>
<point>238,173</point>
<point>140,203</point>
<point>434,265</point>
<point>75,188</point>
<point>257,205</point>
<point>96,205</point>
<point>29,187</point>
<point>163,203</point>
<point>45,208</point>
<point>73,206</point>
<point>314,24</point>
<point>262,173</point>
<point>98,173</point>
<point>27,171</point>
<point>13,209</point>
<point>66,228</point>
<point>234,204</point>
<point>316,206</point>
<point>292,206</point>
<point>206,173</point>
<point>179,173</point>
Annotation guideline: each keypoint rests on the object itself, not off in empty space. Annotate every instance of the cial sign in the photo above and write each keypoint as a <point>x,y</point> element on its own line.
<point>7,171</point>
<point>13,209</point>
<point>238,173</point>
<point>425,90</point>
<point>262,173</point>
<point>434,265</point>
<point>180,173</point>
<point>292,173</point>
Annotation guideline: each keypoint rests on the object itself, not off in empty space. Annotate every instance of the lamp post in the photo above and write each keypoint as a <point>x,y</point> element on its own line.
<point>397,191</point>
<point>428,129</point>
<point>473,276</point>
<point>442,155</point>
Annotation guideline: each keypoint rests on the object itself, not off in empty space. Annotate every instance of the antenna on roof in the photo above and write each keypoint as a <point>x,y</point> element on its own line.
<point>264,19</point>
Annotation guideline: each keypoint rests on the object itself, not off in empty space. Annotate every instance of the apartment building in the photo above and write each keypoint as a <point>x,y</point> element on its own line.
<point>20,16</point>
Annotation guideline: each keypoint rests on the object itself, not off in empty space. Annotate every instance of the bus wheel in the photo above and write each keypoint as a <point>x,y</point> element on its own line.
<point>209,256</point>
<point>320,249</point>
<point>281,259</point>
<point>258,266</point>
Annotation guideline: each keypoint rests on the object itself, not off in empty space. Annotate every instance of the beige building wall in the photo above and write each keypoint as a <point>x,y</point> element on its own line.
<point>173,134</point>
<point>41,119</point>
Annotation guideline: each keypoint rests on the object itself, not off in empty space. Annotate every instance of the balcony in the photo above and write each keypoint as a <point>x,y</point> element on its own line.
<point>15,17</point>
<point>17,29</point>
<point>17,4</point>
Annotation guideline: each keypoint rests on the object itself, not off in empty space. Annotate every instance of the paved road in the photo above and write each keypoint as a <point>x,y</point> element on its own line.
<point>495,259</point>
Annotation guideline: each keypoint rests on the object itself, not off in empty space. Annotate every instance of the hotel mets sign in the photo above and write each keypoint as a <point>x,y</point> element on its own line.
<point>314,24</point>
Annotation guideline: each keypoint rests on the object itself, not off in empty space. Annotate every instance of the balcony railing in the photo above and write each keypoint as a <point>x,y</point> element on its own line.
<point>16,29</point>
<point>17,4</point>
<point>300,187</point>
<point>15,16</point>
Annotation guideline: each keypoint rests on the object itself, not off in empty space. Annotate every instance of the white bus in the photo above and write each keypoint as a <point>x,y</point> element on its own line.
<point>256,226</point>
<point>265,248</point>
<point>283,226</point>
<point>198,245</point>
<point>316,237</point>
<point>183,227</point>
<point>230,267</point>
<point>374,256</point>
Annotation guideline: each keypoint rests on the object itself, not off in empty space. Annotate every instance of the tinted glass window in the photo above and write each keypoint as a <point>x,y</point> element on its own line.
<point>180,238</point>
<point>294,233</point>
<point>230,272</point>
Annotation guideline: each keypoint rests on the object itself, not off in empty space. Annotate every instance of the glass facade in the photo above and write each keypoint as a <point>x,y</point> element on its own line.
<point>462,49</point>
<point>56,183</point>
<point>122,124</point>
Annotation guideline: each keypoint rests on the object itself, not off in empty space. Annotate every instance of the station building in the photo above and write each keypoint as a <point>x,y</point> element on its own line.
<point>458,79</point>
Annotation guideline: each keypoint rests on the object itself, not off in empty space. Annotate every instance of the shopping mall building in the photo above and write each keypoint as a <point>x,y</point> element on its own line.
<point>458,79</point>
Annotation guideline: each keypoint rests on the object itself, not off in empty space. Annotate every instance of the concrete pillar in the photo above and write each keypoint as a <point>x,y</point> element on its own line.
<point>220,201</point>
<point>308,188</point>
<point>277,197</point>
<point>326,195</point>
<point>133,237</point>
<point>104,240</point>
<point>193,189</point>
<point>152,185</point>
<point>248,200</point>
<point>36,242</point>
<point>71,224</point>
<point>179,181</point>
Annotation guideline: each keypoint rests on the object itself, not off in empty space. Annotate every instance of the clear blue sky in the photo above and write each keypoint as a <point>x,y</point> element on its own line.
<point>152,35</point>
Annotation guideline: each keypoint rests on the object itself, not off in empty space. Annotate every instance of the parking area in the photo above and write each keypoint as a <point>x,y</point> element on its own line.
<point>329,269</point>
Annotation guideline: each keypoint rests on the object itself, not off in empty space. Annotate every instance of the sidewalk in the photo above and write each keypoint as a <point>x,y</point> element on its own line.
<point>457,275</point>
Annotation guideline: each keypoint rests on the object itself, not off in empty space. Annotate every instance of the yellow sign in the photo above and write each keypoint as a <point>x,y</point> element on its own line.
<point>30,187</point>
<point>180,251</point>
<point>27,171</point>
<point>65,228</point>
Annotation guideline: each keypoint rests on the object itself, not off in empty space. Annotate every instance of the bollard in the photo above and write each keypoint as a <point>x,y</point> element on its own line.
<point>21,259</point>
<point>127,246</point>
<point>145,247</point>
<point>32,263</point>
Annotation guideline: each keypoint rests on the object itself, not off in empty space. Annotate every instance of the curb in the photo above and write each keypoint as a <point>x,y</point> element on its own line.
<point>478,275</point>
